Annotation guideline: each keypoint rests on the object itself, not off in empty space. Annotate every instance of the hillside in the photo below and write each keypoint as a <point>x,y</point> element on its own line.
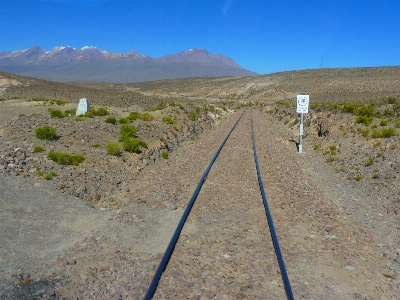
<point>336,205</point>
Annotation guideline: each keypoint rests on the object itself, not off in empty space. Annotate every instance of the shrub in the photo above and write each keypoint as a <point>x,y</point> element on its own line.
<point>391,100</point>
<point>364,120</point>
<point>164,154</point>
<point>113,148</point>
<point>133,145</point>
<point>38,149</point>
<point>111,120</point>
<point>379,154</point>
<point>97,145</point>
<point>317,146</point>
<point>366,110</point>
<point>365,133</point>
<point>161,105</point>
<point>79,119</point>
<point>56,113</point>
<point>397,123</point>
<point>63,158</point>
<point>70,112</point>
<point>46,133</point>
<point>134,115</point>
<point>386,132</point>
<point>384,122</point>
<point>123,121</point>
<point>126,132</point>
<point>370,161</point>
<point>147,117</point>
<point>100,112</point>
<point>168,120</point>
<point>359,177</point>
<point>97,112</point>
<point>193,116</point>
<point>377,144</point>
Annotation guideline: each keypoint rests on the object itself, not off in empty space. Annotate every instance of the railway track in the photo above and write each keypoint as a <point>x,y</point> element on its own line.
<point>219,237</point>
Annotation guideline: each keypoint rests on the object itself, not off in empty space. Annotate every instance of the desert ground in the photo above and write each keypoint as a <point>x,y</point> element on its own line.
<point>98,229</point>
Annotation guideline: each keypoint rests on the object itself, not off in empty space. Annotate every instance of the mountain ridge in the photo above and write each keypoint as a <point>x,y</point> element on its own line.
<point>65,63</point>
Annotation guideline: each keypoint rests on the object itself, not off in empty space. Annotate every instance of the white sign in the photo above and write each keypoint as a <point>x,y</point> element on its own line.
<point>83,107</point>
<point>302,104</point>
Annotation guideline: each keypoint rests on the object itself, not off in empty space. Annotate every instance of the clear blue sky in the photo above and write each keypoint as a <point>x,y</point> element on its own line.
<point>263,36</point>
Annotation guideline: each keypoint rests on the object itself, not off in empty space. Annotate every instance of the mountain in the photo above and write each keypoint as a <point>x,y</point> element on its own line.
<point>91,64</point>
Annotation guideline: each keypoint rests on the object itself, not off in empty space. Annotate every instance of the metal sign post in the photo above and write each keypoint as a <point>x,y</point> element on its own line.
<point>302,108</point>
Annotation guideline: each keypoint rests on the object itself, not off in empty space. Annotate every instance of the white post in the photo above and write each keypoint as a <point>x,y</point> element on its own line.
<point>301,133</point>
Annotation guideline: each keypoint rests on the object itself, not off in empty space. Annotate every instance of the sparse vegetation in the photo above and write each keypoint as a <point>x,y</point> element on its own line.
<point>127,132</point>
<point>193,115</point>
<point>386,132</point>
<point>63,158</point>
<point>164,154</point>
<point>56,113</point>
<point>46,133</point>
<point>113,148</point>
<point>133,145</point>
<point>168,120</point>
<point>123,121</point>
<point>370,161</point>
<point>37,149</point>
<point>111,120</point>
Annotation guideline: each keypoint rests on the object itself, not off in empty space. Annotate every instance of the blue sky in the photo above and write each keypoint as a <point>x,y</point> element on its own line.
<point>263,36</point>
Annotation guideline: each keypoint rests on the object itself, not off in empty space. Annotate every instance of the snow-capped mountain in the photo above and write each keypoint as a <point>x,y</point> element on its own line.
<point>65,63</point>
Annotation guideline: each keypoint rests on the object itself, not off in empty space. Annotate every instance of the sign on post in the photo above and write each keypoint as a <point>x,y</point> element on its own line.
<point>302,104</point>
<point>302,108</point>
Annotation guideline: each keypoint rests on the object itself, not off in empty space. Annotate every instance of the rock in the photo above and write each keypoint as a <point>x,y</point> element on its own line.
<point>241,295</point>
<point>97,197</point>
<point>171,207</point>
<point>61,262</point>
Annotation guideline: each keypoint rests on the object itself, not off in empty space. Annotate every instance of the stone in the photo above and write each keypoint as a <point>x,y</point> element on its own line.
<point>61,262</point>
<point>83,107</point>
<point>171,207</point>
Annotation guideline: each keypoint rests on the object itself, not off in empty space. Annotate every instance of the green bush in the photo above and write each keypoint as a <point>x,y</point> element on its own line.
<point>384,122</point>
<point>317,146</point>
<point>384,133</point>
<point>123,121</point>
<point>126,132</point>
<point>97,112</point>
<point>397,123</point>
<point>63,158</point>
<point>113,148</point>
<point>46,133</point>
<point>164,154</point>
<point>136,115</point>
<point>147,117</point>
<point>366,110</point>
<point>161,105</point>
<point>56,113</point>
<point>193,116</point>
<point>168,120</point>
<point>70,112</point>
<point>111,120</point>
<point>37,149</point>
<point>370,161</point>
<point>364,120</point>
<point>133,145</point>
<point>365,132</point>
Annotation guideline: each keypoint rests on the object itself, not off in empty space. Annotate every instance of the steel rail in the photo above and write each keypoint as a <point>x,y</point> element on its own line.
<point>175,237</point>
<point>278,252</point>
